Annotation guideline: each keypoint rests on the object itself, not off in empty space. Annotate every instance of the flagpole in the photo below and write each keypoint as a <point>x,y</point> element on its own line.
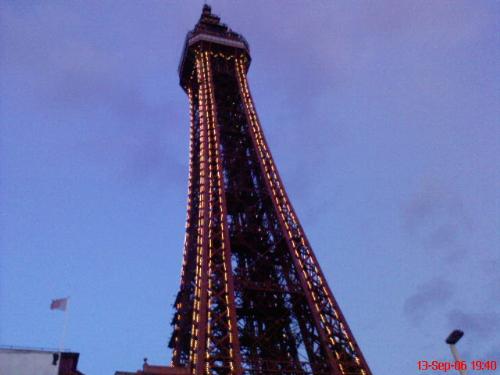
<point>65,325</point>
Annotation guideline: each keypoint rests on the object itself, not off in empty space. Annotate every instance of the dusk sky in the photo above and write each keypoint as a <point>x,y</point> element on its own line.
<point>382,117</point>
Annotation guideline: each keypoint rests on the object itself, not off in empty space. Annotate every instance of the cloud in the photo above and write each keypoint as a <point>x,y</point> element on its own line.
<point>481,328</point>
<point>437,219</point>
<point>484,325</point>
<point>90,91</point>
<point>429,296</point>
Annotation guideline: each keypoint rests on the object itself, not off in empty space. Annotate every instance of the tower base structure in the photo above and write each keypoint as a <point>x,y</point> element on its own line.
<point>162,370</point>
<point>148,369</point>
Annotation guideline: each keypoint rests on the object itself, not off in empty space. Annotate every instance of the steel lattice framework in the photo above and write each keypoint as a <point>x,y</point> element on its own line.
<point>253,298</point>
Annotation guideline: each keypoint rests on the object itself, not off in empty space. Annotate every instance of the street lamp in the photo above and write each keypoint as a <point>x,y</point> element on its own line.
<point>452,340</point>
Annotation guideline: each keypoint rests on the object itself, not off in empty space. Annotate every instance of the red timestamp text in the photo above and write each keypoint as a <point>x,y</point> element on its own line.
<point>445,366</point>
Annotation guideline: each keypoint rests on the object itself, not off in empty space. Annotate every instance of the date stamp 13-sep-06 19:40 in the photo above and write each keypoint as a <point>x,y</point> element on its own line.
<point>445,366</point>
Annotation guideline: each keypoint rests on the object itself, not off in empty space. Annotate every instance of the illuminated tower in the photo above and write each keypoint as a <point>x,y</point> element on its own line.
<point>253,298</point>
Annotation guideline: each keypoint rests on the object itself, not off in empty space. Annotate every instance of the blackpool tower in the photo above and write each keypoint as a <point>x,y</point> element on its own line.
<point>253,298</point>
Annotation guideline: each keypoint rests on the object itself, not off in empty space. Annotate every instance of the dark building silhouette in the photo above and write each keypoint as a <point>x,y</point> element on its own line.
<point>35,361</point>
<point>253,298</point>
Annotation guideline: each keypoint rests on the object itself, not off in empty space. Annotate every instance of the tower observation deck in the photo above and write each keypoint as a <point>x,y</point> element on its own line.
<point>253,299</point>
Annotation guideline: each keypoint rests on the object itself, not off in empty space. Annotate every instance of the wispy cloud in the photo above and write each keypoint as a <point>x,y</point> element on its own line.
<point>481,328</point>
<point>429,297</point>
<point>484,325</point>
<point>92,88</point>
<point>436,218</point>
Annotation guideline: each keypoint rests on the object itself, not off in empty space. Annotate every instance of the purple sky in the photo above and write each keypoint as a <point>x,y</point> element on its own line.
<point>383,118</point>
